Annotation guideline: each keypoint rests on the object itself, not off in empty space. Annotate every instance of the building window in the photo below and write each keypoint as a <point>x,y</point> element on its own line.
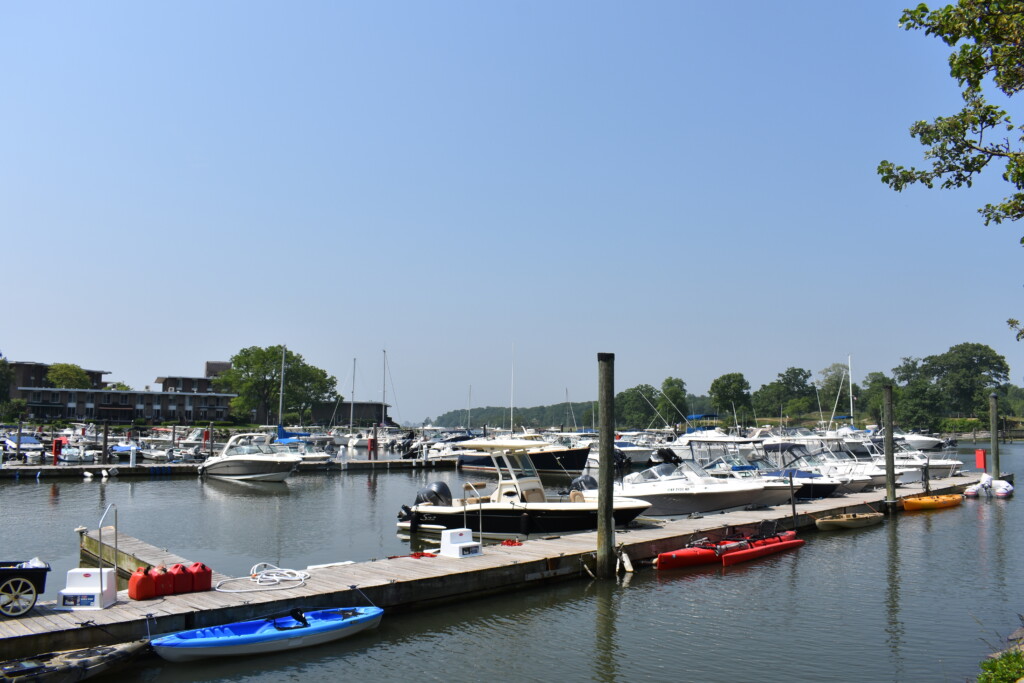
<point>124,399</point>
<point>106,399</point>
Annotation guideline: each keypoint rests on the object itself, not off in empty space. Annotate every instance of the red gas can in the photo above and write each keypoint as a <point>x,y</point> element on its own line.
<point>202,576</point>
<point>141,585</point>
<point>163,581</point>
<point>182,579</point>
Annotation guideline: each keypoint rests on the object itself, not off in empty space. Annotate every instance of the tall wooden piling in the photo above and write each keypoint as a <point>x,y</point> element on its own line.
<point>606,471</point>
<point>890,458</point>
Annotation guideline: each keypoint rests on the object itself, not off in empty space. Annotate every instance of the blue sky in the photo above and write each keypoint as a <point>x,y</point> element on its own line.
<point>492,193</point>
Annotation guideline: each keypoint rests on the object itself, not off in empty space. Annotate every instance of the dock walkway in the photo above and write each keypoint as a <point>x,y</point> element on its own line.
<point>396,584</point>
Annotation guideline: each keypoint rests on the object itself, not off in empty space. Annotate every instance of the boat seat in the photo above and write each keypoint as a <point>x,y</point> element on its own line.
<point>576,497</point>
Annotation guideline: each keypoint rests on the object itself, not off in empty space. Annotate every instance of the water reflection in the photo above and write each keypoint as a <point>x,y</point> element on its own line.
<point>606,654</point>
<point>893,625</point>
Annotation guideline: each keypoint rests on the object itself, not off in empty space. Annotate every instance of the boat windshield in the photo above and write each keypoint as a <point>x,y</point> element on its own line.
<point>251,449</point>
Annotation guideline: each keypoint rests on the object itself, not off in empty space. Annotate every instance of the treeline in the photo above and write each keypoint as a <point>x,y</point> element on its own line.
<point>945,392</point>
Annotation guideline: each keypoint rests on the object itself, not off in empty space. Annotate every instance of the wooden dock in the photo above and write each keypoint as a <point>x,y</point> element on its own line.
<point>150,470</point>
<point>396,584</point>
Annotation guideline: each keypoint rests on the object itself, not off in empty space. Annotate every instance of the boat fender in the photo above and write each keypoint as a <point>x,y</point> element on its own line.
<point>414,522</point>
<point>525,522</point>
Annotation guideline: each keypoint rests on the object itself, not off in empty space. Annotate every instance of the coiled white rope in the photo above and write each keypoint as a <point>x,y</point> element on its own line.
<point>267,577</point>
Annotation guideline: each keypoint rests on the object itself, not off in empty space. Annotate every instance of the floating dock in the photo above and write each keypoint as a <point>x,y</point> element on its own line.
<point>151,470</point>
<point>396,584</point>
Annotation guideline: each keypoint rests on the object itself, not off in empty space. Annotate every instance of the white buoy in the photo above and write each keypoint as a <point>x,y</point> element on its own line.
<point>87,475</point>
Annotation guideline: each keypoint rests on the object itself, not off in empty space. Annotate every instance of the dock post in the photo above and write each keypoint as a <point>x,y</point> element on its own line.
<point>606,473</point>
<point>105,456</point>
<point>890,459</point>
<point>17,442</point>
<point>993,421</point>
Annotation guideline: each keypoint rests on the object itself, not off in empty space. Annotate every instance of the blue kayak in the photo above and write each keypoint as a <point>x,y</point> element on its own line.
<point>297,628</point>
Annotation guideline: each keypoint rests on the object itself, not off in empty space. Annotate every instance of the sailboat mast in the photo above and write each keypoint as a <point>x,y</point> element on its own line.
<point>849,368</point>
<point>352,398</point>
<point>280,403</point>
<point>384,391</point>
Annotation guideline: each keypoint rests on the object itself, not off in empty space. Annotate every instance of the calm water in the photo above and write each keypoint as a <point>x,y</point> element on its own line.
<point>923,597</point>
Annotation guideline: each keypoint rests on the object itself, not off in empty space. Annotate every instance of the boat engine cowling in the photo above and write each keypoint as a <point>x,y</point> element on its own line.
<point>583,483</point>
<point>435,493</point>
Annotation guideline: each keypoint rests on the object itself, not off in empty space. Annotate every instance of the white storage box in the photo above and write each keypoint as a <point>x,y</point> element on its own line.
<point>459,543</point>
<point>89,589</point>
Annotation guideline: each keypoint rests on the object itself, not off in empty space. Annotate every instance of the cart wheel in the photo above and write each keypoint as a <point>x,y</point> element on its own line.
<point>17,596</point>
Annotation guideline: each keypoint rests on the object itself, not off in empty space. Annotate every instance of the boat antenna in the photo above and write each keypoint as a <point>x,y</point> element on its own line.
<point>849,366</point>
<point>839,392</point>
<point>656,412</point>
<point>674,406</point>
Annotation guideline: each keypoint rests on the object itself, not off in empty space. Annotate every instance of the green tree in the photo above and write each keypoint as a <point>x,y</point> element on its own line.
<point>834,389</point>
<point>634,408</point>
<point>117,386</point>
<point>255,375</point>
<point>988,54</point>
<point>6,379</point>
<point>671,404</point>
<point>871,398</point>
<point>730,392</point>
<point>14,409</point>
<point>791,394</point>
<point>68,376</point>
<point>965,375</point>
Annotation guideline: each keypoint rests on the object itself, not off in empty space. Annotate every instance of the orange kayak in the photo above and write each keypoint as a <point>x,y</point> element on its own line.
<point>932,502</point>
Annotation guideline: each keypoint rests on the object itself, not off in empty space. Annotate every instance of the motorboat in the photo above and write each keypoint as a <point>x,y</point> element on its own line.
<point>906,457</point>
<point>474,455</point>
<point>777,490</point>
<point>848,520</point>
<point>915,440</point>
<point>250,456</point>
<point>990,486</point>
<point>516,507</point>
<point>786,460</point>
<point>288,631</point>
<point>680,489</point>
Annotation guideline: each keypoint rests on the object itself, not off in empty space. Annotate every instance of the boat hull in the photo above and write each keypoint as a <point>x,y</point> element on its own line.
<point>712,553</point>
<point>246,638</point>
<point>250,469</point>
<point>70,665</point>
<point>569,460</point>
<point>932,502</point>
<point>520,520</point>
<point>852,520</point>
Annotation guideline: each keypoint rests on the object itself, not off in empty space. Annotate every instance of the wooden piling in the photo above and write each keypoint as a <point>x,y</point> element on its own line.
<point>606,472</point>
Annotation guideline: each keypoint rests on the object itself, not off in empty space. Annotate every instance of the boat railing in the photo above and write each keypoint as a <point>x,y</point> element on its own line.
<point>113,563</point>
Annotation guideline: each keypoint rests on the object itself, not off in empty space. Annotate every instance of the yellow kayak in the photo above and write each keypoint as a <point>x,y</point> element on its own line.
<point>931,502</point>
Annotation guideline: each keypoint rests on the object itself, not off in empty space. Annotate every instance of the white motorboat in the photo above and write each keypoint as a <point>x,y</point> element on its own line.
<point>680,489</point>
<point>249,456</point>
<point>916,442</point>
<point>516,507</point>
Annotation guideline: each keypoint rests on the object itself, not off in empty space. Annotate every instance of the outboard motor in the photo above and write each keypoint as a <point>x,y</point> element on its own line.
<point>663,455</point>
<point>583,483</point>
<point>435,493</point>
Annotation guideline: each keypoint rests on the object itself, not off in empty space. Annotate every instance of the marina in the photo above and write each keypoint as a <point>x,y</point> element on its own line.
<point>408,587</point>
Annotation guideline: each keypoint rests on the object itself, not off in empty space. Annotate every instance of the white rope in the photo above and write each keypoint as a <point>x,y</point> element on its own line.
<point>267,577</point>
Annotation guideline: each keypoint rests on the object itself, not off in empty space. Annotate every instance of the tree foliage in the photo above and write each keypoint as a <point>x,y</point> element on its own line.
<point>6,377</point>
<point>988,38</point>
<point>255,375</point>
<point>68,376</point>
<point>634,408</point>
<point>730,392</point>
<point>117,386</point>
<point>672,404</point>
<point>790,394</point>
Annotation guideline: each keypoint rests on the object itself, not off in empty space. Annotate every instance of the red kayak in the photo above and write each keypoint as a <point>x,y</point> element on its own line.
<point>728,551</point>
